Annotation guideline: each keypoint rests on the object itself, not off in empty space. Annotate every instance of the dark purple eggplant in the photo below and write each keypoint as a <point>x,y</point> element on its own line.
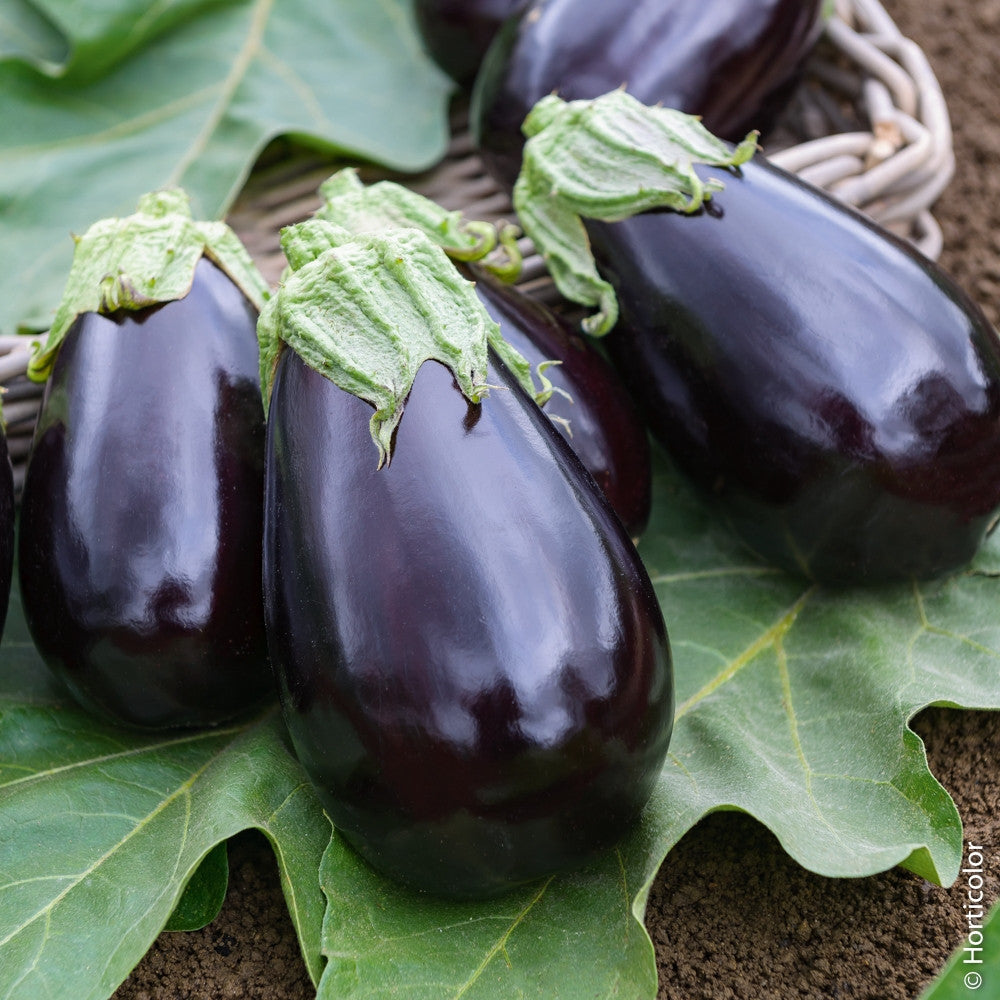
<point>733,63</point>
<point>833,390</point>
<point>457,33</point>
<point>140,539</point>
<point>599,420</point>
<point>473,664</point>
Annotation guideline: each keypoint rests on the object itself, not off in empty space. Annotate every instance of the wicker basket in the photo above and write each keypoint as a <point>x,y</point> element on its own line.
<point>869,124</point>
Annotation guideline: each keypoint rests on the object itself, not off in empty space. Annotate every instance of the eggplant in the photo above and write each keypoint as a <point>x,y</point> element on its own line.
<point>834,392</point>
<point>457,33</point>
<point>733,63</point>
<point>141,521</point>
<point>472,662</point>
<point>595,414</point>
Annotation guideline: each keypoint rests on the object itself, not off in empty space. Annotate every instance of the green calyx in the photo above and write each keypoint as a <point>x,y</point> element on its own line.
<point>607,159</point>
<point>142,260</point>
<point>367,309</point>
<point>385,205</point>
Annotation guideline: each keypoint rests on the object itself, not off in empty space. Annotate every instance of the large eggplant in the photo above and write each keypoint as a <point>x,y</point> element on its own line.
<point>457,33</point>
<point>835,392</point>
<point>140,539</point>
<point>733,62</point>
<point>599,418</point>
<point>473,664</point>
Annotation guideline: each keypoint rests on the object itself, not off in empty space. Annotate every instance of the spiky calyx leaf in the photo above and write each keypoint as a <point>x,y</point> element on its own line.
<point>142,260</point>
<point>607,159</point>
<point>367,309</point>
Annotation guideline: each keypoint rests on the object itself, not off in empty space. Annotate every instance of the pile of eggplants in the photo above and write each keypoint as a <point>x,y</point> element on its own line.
<point>735,63</point>
<point>435,577</point>
<point>471,658</point>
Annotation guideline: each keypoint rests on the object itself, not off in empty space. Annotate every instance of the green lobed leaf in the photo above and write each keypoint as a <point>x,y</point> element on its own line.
<point>204,894</point>
<point>101,829</point>
<point>100,33</point>
<point>794,704</point>
<point>567,939</point>
<point>191,104</point>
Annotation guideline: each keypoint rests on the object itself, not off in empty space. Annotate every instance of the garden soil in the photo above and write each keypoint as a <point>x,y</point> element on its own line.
<point>731,916</point>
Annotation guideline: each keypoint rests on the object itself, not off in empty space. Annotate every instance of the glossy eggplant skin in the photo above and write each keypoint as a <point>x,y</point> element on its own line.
<point>601,420</point>
<point>832,389</point>
<point>457,33</point>
<point>733,62</point>
<point>472,661</point>
<point>140,540</point>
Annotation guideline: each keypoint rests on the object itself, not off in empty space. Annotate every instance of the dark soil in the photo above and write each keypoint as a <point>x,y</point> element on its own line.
<point>732,918</point>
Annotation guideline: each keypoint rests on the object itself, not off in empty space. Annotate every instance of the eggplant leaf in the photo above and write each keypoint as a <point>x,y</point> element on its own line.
<point>204,894</point>
<point>563,939</point>
<point>793,706</point>
<point>101,829</point>
<point>189,99</point>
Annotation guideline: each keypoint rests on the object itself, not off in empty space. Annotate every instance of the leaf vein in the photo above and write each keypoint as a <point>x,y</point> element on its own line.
<point>128,126</point>
<point>251,47</point>
<point>123,755</point>
<point>793,725</point>
<point>183,789</point>
<point>714,574</point>
<point>500,946</point>
<point>734,666</point>
<point>299,86</point>
<point>686,771</point>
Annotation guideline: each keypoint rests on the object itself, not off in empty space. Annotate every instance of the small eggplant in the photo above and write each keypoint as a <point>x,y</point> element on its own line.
<point>140,540</point>
<point>588,403</point>
<point>732,63</point>
<point>457,33</point>
<point>832,390</point>
<point>473,664</point>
